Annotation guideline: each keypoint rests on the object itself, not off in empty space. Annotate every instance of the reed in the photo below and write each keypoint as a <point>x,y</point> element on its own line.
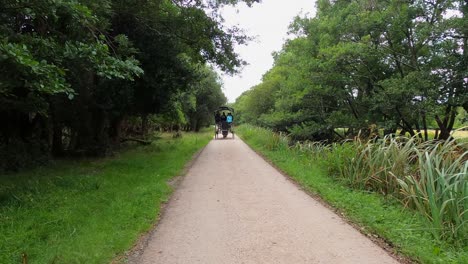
<point>430,177</point>
<point>439,190</point>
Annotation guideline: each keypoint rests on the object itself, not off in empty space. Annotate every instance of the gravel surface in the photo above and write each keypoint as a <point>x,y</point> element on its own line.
<point>233,207</point>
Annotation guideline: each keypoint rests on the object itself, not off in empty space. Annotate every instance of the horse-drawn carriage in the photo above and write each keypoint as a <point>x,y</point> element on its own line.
<point>224,121</point>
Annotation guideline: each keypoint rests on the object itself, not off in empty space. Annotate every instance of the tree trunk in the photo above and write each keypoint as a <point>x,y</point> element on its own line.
<point>85,141</point>
<point>418,130</point>
<point>115,130</point>
<point>424,120</point>
<point>446,125</point>
<point>464,9</point>
<point>100,126</point>
<point>144,125</point>
<point>196,125</point>
<point>406,126</point>
<point>57,144</point>
<point>444,132</point>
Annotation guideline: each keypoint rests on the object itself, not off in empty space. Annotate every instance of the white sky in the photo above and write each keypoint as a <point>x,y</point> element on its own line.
<point>268,21</point>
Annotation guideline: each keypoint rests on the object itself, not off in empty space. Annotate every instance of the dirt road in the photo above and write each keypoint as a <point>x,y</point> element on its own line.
<point>233,207</point>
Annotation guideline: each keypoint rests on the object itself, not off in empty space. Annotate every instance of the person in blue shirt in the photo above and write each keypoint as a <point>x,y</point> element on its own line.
<point>229,118</point>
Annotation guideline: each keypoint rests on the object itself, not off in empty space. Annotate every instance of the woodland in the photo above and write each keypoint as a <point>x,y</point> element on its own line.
<point>368,67</point>
<point>360,107</point>
<point>78,77</point>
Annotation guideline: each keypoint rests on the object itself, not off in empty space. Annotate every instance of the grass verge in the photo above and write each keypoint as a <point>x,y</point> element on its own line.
<point>89,211</point>
<point>406,231</point>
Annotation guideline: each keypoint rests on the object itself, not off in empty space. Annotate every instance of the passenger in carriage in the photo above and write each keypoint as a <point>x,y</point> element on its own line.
<point>229,118</point>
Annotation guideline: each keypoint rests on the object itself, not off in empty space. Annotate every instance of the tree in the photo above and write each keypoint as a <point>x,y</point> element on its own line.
<point>357,64</point>
<point>205,97</point>
<point>182,35</point>
<point>73,70</point>
<point>50,50</point>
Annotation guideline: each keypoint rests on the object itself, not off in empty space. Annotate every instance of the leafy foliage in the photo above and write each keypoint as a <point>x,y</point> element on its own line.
<point>364,64</point>
<point>74,70</point>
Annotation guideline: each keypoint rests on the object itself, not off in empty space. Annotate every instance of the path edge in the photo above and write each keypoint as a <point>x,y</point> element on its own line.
<point>377,240</point>
<point>134,254</point>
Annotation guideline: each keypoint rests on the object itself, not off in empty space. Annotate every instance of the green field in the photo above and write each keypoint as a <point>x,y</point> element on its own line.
<point>89,211</point>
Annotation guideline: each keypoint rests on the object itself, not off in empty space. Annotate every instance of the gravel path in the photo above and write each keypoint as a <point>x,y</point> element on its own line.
<point>233,207</point>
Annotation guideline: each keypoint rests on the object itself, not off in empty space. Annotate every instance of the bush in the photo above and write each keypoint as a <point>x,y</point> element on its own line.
<point>18,154</point>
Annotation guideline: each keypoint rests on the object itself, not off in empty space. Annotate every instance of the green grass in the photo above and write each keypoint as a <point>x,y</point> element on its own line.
<point>89,211</point>
<point>407,231</point>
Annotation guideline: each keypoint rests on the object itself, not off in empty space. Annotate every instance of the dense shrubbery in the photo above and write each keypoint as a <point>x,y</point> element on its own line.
<point>20,153</point>
<point>74,71</point>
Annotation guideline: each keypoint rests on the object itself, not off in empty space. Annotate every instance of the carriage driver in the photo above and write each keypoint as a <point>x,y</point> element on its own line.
<point>217,117</point>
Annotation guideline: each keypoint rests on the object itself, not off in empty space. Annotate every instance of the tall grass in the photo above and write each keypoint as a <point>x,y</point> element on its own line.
<point>374,162</point>
<point>439,190</point>
<point>430,177</point>
<point>271,141</point>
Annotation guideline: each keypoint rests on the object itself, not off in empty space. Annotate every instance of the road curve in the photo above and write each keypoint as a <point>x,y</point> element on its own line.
<point>233,207</point>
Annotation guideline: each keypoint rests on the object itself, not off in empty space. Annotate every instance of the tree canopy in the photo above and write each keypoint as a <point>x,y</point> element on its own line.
<point>73,71</point>
<point>360,65</point>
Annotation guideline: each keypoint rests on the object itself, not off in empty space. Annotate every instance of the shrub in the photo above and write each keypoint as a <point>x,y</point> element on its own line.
<point>19,153</point>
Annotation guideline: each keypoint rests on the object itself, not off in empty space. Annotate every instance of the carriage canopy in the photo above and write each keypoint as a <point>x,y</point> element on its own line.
<point>225,109</point>
<point>224,121</point>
